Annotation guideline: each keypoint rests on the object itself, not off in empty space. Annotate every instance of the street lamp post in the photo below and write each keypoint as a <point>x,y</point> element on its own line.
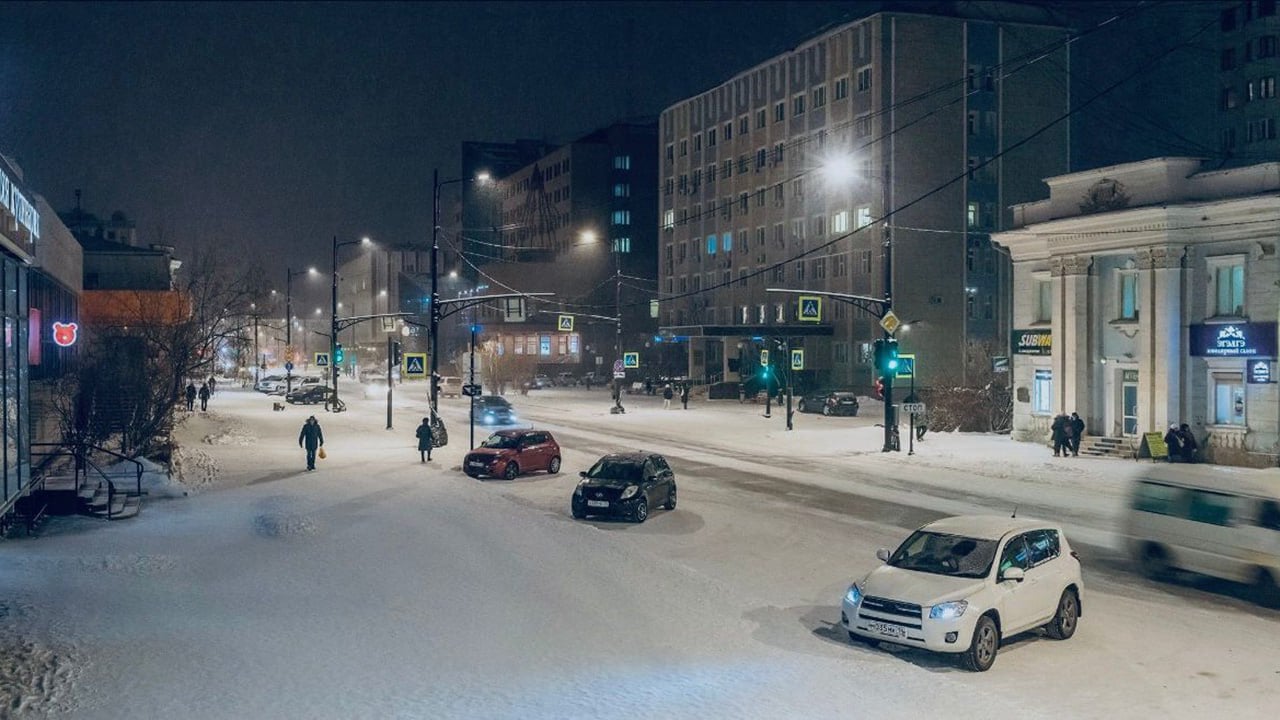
<point>434,331</point>
<point>288,323</point>
<point>333,316</point>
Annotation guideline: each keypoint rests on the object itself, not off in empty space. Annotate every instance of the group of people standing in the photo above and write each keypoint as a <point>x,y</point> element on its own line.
<point>1181,443</point>
<point>204,393</point>
<point>1066,432</point>
<point>669,392</point>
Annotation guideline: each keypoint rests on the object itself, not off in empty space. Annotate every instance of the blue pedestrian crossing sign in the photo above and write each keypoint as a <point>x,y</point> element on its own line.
<point>906,366</point>
<point>322,359</point>
<point>797,359</point>
<point>810,308</point>
<point>631,360</point>
<point>565,323</point>
<point>415,365</point>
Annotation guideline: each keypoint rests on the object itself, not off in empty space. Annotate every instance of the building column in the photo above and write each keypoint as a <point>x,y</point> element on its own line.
<point>1160,327</point>
<point>1074,342</point>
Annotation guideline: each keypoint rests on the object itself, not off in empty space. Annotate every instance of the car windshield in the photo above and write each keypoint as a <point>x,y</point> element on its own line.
<point>495,403</point>
<point>943,554</point>
<point>615,469</point>
<point>501,441</point>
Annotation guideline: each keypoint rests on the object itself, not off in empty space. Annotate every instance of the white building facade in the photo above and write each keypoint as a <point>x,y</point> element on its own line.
<point>1148,294</point>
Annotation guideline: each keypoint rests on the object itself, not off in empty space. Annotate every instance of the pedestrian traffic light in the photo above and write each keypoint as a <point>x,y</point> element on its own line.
<point>337,353</point>
<point>886,357</point>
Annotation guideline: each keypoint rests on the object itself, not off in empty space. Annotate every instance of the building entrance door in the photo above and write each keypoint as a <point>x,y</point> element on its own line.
<point>1129,403</point>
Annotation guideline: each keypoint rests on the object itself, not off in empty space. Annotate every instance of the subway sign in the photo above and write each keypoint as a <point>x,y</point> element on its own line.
<point>1032,342</point>
<point>1244,339</point>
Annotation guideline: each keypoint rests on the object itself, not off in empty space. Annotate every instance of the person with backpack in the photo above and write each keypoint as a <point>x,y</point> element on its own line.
<point>426,439</point>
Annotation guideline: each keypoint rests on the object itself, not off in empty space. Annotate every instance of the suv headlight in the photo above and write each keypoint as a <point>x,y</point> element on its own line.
<point>630,492</point>
<point>948,610</point>
<point>854,594</point>
<point>578,490</point>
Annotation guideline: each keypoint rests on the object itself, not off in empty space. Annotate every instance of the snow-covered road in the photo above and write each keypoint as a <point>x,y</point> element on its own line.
<point>380,587</point>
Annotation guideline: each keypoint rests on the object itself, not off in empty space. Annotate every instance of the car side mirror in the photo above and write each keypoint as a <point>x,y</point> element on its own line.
<point>582,473</point>
<point>883,554</point>
<point>1014,573</point>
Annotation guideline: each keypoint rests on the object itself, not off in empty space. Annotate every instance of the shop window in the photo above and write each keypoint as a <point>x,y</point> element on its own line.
<point>1042,392</point>
<point>1228,400</point>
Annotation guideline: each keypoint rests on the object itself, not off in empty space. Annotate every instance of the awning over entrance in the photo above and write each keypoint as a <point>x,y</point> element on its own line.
<point>720,331</point>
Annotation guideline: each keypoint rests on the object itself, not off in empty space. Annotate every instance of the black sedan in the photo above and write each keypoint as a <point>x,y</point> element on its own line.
<point>309,395</point>
<point>625,485</point>
<point>830,402</point>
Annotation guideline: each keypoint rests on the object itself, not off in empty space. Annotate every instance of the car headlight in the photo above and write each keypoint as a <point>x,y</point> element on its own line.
<point>854,594</point>
<point>630,492</point>
<point>948,610</point>
<point>578,490</point>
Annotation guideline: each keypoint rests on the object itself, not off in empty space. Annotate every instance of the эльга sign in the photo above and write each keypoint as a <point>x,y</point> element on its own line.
<point>1247,339</point>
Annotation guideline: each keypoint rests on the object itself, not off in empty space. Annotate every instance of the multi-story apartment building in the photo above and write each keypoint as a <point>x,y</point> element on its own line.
<point>1145,295</point>
<point>580,222</point>
<point>1249,65</point>
<point>944,120</point>
<point>478,229</point>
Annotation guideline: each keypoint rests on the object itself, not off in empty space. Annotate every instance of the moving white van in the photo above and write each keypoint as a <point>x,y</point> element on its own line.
<point>1213,520</point>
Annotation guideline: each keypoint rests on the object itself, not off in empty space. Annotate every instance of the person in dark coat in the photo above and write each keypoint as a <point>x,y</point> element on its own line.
<point>191,397</point>
<point>684,395</point>
<point>204,397</point>
<point>1174,442</point>
<point>667,394</point>
<point>1077,432</point>
<point>311,438</point>
<point>425,440</point>
<point>213,385</point>
<point>1059,431</point>
<point>1189,444</point>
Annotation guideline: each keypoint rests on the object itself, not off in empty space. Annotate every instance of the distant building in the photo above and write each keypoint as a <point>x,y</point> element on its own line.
<point>479,230</point>
<point>1249,67</point>
<point>1145,295</point>
<point>781,176</point>
<point>580,222</point>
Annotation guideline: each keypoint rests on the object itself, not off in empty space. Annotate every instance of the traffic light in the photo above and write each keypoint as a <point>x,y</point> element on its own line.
<point>395,352</point>
<point>886,357</point>
<point>337,353</point>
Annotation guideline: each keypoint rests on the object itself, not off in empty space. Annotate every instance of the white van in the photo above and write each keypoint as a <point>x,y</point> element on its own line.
<point>1212,520</point>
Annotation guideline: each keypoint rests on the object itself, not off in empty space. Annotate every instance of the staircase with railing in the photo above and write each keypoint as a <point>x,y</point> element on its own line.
<point>70,479</point>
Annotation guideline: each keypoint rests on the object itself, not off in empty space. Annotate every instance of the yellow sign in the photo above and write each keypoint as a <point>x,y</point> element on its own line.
<point>1153,446</point>
<point>797,359</point>
<point>565,323</point>
<point>764,358</point>
<point>890,322</point>
<point>415,365</point>
<point>809,309</point>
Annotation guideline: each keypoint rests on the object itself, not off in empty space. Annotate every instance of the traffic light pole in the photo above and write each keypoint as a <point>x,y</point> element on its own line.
<point>391,360</point>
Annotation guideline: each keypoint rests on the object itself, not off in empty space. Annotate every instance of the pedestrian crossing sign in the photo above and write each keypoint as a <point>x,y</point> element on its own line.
<point>415,365</point>
<point>797,358</point>
<point>322,359</point>
<point>565,323</point>
<point>631,360</point>
<point>906,366</point>
<point>810,308</point>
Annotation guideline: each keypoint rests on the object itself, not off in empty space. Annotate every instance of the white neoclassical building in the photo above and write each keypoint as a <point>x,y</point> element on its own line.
<point>1147,294</point>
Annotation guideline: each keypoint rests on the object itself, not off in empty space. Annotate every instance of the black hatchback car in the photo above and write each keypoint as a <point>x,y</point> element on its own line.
<point>830,402</point>
<point>493,410</point>
<point>625,485</point>
<point>309,395</point>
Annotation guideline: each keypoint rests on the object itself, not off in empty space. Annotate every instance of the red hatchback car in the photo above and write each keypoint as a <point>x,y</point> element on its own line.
<point>508,453</point>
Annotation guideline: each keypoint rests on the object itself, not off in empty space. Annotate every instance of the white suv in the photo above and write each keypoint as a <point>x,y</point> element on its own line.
<point>944,590</point>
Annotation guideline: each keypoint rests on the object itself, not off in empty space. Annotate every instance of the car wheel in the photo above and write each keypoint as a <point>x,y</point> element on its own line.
<point>671,499</point>
<point>826,411</point>
<point>1063,624</point>
<point>512,471</point>
<point>554,467</point>
<point>1154,562</point>
<point>641,512</point>
<point>981,654</point>
<point>800,406</point>
<point>1265,591</point>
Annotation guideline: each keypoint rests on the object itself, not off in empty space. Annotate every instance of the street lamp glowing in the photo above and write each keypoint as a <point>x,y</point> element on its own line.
<point>483,177</point>
<point>317,311</point>
<point>453,274</point>
<point>365,241</point>
<point>312,271</point>
<point>588,236</point>
<point>838,169</point>
<point>382,293</point>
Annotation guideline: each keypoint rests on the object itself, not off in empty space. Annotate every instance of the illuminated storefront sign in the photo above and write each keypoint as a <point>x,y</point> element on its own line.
<point>12,199</point>
<point>1246,339</point>
<point>1032,342</point>
<point>64,334</point>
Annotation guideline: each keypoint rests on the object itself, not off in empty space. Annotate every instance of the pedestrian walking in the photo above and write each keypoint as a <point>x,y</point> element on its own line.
<point>213,385</point>
<point>1173,441</point>
<point>191,396</point>
<point>1059,434</point>
<point>204,397</point>
<point>587,380</point>
<point>425,440</point>
<point>1077,432</point>
<point>1189,444</point>
<point>311,439</point>
<point>667,394</point>
<point>684,395</point>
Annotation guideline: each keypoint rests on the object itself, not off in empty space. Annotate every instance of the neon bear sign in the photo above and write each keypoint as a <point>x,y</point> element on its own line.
<point>64,334</point>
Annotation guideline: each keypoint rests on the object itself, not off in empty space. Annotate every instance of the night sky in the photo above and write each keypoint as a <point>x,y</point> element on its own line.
<point>276,126</point>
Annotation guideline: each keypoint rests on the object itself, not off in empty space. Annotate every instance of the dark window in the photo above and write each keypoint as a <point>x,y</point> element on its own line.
<point>1228,20</point>
<point>1015,554</point>
<point>1269,515</point>
<point>1044,545</point>
<point>1228,59</point>
<point>1211,508</point>
<point>1159,499</point>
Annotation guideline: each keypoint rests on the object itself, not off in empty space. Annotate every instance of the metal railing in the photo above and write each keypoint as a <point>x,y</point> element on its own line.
<point>81,461</point>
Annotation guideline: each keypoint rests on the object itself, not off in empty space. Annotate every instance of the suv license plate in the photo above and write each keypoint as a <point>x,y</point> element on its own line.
<point>475,463</point>
<point>597,503</point>
<point>887,630</point>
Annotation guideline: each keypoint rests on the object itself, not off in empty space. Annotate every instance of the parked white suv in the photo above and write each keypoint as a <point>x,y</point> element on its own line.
<point>944,590</point>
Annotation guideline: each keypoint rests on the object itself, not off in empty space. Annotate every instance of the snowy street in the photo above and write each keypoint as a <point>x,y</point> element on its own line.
<point>381,587</point>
